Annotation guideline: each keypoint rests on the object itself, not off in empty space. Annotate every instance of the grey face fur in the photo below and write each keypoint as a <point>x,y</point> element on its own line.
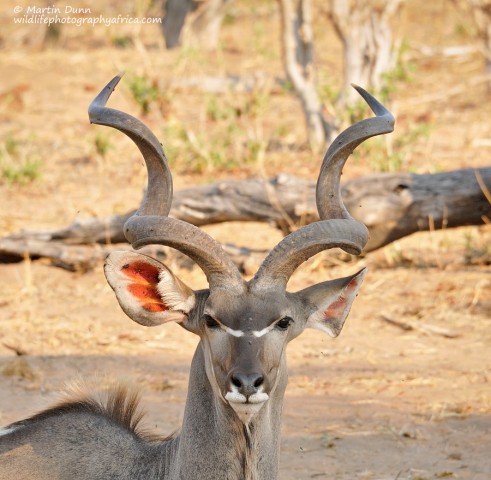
<point>244,330</point>
<point>238,374</point>
<point>245,338</point>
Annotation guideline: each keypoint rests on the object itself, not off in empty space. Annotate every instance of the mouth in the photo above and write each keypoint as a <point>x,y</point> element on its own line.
<point>246,407</point>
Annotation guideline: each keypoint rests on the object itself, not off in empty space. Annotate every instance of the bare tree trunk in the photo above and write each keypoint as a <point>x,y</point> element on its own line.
<point>205,24</point>
<point>297,45</point>
<point>481,10</point>
<point>365,32</point>
<point>202,27</point>
<point>174,18</point>
<point>36,36</point>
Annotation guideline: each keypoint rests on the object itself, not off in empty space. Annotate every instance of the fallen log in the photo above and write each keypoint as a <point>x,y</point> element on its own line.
<point>396,205</point>
<point>391,205</point>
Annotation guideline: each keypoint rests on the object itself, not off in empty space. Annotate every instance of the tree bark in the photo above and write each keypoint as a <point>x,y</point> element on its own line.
<point>396,205</point>
<point>297,41</point>
<point>391,205</point>
<point>193,22</point>
<point>366,36</point>
<point>173,21</point>
<point>481,10</point>
<point>205,24</point>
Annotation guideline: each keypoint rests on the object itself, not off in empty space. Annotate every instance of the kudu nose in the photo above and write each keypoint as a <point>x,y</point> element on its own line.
<point>247,384</point>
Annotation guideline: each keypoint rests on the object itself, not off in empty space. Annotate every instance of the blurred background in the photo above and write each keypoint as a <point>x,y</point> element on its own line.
<point>236,89</point>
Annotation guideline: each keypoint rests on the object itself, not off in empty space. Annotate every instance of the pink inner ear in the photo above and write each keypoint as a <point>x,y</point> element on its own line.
<point>143,287</point>
<point>336,309</point>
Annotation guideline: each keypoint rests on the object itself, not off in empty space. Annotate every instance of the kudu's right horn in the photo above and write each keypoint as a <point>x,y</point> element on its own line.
<point>336,228</point>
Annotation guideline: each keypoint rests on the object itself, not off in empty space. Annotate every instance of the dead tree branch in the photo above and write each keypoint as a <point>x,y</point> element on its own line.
<point>391,205</point>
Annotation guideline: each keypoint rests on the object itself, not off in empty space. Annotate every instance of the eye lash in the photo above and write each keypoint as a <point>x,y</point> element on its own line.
<point>284,323</point>
<point>210,322</point>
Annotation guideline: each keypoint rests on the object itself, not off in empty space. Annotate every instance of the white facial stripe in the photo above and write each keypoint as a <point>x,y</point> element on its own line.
<point>264,331</point>
<point>241,333</point>
<point>231,331</point>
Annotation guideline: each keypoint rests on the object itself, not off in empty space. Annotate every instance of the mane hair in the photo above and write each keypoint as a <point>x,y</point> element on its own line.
<point>119,404</point>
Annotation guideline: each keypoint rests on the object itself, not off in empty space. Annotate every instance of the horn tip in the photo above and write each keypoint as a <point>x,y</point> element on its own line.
<point>102,98</point>
<point>112,84</point>
<point>374,104</point>
<point>359,89</point>
<point>100,101</point>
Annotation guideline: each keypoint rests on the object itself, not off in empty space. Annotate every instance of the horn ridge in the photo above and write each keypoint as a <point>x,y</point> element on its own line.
<point>328,191</point>
<point>204,250</point>
<point>336,227</point>
<point>151,224</point>
<point>158,196</point>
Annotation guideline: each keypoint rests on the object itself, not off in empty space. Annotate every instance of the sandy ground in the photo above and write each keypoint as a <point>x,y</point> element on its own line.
<point>378,402</point>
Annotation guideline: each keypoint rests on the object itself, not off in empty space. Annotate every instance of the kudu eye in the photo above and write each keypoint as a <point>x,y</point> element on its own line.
<point>284,323</point>
<point>210,322</point>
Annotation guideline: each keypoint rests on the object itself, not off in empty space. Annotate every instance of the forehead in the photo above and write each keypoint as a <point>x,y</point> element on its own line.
<point>247,310</point>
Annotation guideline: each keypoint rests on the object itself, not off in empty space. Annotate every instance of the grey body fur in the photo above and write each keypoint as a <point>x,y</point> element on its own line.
<point>227,449</point>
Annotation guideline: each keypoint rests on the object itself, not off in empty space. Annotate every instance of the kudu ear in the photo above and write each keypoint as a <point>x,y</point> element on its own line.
<point>148,292</point>
<point>331,302</point>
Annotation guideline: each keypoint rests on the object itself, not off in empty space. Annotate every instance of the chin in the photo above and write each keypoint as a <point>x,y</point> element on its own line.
<point>246,411</point>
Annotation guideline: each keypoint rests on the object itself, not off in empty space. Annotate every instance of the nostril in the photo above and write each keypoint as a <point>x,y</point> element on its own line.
<point>236,382</point>
<point>247,384</point>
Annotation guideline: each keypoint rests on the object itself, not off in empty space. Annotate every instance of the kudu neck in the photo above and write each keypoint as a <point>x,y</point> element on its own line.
<point>214,443</point>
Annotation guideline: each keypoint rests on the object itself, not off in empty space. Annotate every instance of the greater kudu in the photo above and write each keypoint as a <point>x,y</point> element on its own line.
<point>238,376</point>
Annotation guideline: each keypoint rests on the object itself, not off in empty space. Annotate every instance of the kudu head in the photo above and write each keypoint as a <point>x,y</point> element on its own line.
<point>244,326</point>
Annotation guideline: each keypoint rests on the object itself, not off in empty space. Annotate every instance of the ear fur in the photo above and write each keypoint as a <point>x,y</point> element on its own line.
<point>332,302</point>
<point>148,292</point>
